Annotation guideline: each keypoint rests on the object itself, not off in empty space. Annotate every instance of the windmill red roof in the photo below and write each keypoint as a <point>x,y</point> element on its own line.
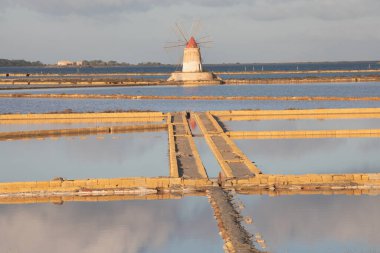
<point>192,43</point>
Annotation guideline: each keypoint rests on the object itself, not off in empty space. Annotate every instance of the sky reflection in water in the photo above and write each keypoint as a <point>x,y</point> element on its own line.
<point>316,223</point>
<point>367,89</point>
<point>288,224</point>
<point>4,127</point>
<point>185,225</point>
<point>109,156</point>
<point>16,105</point>
<point>301,124</point>
<point>300,156</point>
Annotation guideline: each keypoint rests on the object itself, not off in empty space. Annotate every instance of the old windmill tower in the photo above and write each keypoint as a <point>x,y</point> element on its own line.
<point>192,69</point>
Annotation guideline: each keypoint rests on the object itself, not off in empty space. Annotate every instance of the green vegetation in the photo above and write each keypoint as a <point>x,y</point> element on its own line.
<point>19,63</point>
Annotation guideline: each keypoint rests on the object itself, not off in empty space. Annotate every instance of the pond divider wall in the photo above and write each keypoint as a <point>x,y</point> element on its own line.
<point>79,131</point>
<point>231,159</point>
<point>305,134</point>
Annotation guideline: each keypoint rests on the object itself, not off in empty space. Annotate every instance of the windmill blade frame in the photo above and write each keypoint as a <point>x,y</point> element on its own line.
<point>179,28</point>
<point>205,42</point>
<point>174,46</point>
<point>197,28</point>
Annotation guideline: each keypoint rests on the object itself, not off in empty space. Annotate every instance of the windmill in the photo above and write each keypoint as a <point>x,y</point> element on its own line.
<point>192,69</point>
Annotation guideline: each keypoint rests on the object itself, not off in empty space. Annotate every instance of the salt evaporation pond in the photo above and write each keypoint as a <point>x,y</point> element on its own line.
<point>95,156</point>
<point>287,224</point>
<point>186,225</point>
<point>367,89</point>
<point>315,223</point>
<point>301,124</point>
<point>25,105</point>
<point>208,159</point>
<point>10,127</point>
<point>305,156</point>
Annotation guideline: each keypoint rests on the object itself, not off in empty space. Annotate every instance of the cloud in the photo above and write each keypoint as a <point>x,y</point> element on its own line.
<point>319,9</point>
<point>104,7</point>
<point>256,9</point>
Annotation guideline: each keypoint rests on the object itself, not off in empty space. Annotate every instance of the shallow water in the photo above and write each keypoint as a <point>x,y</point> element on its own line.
<point>315,223</point>
<point>303,156</point>
<point>301,124</point>
<point>288,224</point>
<point>368,89</point>
<point>242,75</point>
<point>6,127</point>
<point>295,75</point>
<point>208,159</point>
<point>184,225</point>
<point>108,156</point>
<point>95,105</point>
<point>354,65</point>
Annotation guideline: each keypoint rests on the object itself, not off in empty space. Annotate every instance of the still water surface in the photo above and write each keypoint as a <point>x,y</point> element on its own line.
<point>367,89</point>
<point>6,127</point>
<point>314,224</point>
<point>303,156</point>
<point>95,105</point>
<point>24,105</point>
<point>208,159</point>
<point>354,65</point>
<point>186,225</point>
<point>301,124</point>
<point>108,156</point>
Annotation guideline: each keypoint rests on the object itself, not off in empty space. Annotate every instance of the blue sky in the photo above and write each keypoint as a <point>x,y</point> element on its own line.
<point>242,30</point>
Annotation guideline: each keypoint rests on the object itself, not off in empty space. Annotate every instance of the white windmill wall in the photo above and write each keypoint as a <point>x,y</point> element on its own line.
<point>192,60</point>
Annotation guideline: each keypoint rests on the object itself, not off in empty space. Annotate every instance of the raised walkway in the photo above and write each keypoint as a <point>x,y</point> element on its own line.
<point>232,160</point>
<point>305,134</point>
<point>345,113</point>
<point>186,171</point>
<point>184,157</point>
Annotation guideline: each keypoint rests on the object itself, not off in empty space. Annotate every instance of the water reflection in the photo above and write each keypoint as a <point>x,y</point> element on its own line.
<point>300,156</point>
<point>301,124</point>
<point>368,89</point>
<point>116,155</point>
<point>316,223</point>
<point>183,225</point>
<point>5,127</point>
<point>15,105</point>
<point>208,159</point>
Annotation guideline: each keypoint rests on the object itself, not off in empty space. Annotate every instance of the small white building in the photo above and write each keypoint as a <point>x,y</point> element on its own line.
<point>69,63</point>
<point>65,63</point>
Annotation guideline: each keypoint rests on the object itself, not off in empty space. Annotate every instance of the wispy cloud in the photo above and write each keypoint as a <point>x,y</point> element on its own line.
<point>273,30</point>
<point>105,7</point>
<point>319,9</point>
<point>257,9</point>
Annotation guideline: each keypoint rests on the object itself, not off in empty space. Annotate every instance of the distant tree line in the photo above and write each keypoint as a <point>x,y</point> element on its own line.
<point>85,63</point>
<point>95,63</point>
<point>149,63</point>
<point>19,63</point>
